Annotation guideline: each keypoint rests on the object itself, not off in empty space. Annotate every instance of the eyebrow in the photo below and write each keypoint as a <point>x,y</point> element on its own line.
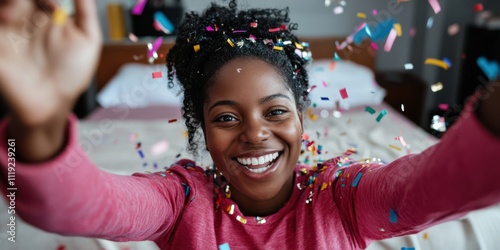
<point>261,101</point>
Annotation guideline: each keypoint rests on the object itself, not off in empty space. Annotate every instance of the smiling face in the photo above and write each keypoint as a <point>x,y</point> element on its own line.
<point>253,131</point>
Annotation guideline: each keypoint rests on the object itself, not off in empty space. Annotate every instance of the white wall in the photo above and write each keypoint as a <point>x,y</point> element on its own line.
<point>315,19</point>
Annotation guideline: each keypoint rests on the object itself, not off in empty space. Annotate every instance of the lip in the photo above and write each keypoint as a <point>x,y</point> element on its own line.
<point>264,175</point>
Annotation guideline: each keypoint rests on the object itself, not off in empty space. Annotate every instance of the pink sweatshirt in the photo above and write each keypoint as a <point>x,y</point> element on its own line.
<point>334,207</point>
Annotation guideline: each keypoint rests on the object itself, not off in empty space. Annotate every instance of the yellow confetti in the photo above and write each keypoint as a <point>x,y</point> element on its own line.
<point>361,15</point>
<point>185,134</point>
<point>426,236</point>
<point>399,30</point>
<point>241,219</point>
<point>437,62</point>
<point>299,46</point>
<point>437,87</point>
<point>230,42</point>
<point>395,147</point>
<point>230,209</point>
<point>59,17</point>
<point>196,48</point>
<point>324,186</point>
<point>278,48</point>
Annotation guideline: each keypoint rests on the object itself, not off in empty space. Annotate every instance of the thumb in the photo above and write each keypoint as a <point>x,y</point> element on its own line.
<point>86,17</point>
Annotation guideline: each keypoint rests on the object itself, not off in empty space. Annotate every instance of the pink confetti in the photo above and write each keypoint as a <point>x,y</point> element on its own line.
<point>443,106</point>
<point>156,46</point>
<point>343,93</point>
<point>159,148</point>
<point>374,46</point>
<point>139,7</point>
<point>390,40</point>
<point>325,85</point>
<point>453,29</point>
<point>402,140</point>
<point>413,32</point>
<point>311,89</point>
<point>375,12</point>
<point>435,6</point>
<point>133,37</point>
<point>210,29</point>
<point>157,74</point>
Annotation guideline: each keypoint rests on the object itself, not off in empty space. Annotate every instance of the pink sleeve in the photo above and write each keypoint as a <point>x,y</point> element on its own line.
<point>69,195</point>
<point>459,174</point>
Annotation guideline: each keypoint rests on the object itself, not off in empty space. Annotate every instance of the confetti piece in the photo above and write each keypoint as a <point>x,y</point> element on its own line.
<point>238,70</point>
<point>407,248</point>
<point>395,147</point>
<point>141,154</point>
<point>59,17</point>
<point>157,75</point>
<point>343,93</point>
<point>381,115</point>
<point>399,30</point>
<point>338,10</point>
<point>403,107</point>
<point>361,15</point>
<point>430,22</point>
<point>436,62</point>
<point>241,219</point>
<point>383,30</point>
<point>209,28</point>
<point>278,48</point>
<point>402,140</point>
<point>375,12</point>
<point>408,66</point>
<point>172,120</point>
<point>196,48</point>
<point>139,7</point>
<point>393,217</point>
<point>61,247</point>
<point>374,46</point>
<point>390,40</point>
<point>356,179</point>
<point>133,37</point>
<point>224,246</point>
<point>370,110</point>
<point>435,6</point>
<point>274,29</point>
<point>336,57</point>
<point>478,7</point>
<point>325,98</point>
<point>413,32</point>
<point>332,65</point>
<point>311,89</point>
<point>453,29</point>
<point>159,148</point>
<point>447,61</point>
<point>490,68</point>
<point>163,22</point>
<point>426,236</point>
<point>230,42</point>
<point>155,47</point>
<point>437,87</point>
<point>254,24</point>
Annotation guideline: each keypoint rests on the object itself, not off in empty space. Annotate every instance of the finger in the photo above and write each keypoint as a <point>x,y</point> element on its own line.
<point>86,16</point>
<point>48,6</point>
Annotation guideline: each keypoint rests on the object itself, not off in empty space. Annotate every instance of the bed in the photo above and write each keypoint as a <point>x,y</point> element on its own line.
<point>111,134</point>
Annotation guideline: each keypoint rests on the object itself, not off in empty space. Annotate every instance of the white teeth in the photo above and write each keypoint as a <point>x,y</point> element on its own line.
<point>258,161</point>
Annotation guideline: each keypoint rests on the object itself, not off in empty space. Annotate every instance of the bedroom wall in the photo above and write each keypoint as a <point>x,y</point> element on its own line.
<point>317,20</point>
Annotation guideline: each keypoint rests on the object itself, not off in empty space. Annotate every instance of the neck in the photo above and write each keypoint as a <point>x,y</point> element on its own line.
<point>252,207</point>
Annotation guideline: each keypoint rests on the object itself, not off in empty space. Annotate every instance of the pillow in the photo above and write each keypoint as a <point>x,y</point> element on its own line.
<point>331,77</point>
<point>134,86</point>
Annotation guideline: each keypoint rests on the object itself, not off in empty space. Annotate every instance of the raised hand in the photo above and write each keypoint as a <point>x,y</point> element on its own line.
<point>46,62</point>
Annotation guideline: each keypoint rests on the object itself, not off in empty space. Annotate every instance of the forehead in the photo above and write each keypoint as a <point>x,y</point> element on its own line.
<point>249,77</point>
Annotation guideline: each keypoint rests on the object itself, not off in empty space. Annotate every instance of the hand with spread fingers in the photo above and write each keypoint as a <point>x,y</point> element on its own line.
<point>47,60</point>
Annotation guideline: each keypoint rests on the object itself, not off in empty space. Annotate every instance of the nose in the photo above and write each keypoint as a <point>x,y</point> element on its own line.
<point>255,131</point>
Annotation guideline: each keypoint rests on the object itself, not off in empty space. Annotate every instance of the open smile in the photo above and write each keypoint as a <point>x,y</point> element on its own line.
<point>259,164</point>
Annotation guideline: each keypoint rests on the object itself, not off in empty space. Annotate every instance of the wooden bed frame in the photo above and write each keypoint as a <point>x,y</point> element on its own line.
<point>116,54</point>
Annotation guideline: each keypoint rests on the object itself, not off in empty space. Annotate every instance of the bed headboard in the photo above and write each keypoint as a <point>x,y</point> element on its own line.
<point>116,54</point>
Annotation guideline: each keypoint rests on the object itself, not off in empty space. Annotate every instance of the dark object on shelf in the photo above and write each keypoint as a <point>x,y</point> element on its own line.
<point>480,42</point>
<point>404,88</point>
<point>142,25</point>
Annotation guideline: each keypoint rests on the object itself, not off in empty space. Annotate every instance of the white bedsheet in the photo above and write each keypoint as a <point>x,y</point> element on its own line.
<point>111,144</point>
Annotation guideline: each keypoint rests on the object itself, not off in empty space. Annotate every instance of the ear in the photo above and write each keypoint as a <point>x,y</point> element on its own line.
<point>301,118</point>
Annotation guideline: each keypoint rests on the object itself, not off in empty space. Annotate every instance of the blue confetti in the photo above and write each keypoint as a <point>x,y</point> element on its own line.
<point>407,248</point>
<point>141,154</point>
<point>490,68</point>
<point>163,20</point>
<point>381,115</point>
<point>224,246</point>
<point>356,179</point>
<point>336,57</point>
<point>325,98</point>
<point>393,217</point>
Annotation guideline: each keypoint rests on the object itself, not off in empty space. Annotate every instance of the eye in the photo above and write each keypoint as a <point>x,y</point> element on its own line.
<point>225,118</point>
<point>277,112</point>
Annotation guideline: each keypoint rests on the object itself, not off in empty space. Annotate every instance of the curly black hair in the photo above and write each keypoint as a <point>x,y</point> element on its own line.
<point>208,41</point>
